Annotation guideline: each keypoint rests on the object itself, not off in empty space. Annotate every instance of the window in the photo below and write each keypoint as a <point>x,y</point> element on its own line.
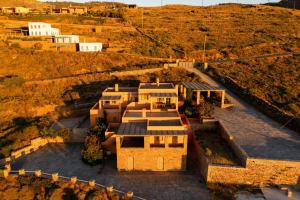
<point>113,102</point>
<point>175,139</point>
<point>156,140</point>
<point>107,102</point>
<point>160,99</point>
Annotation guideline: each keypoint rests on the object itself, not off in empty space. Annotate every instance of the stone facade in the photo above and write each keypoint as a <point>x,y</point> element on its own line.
<point>153,158</point>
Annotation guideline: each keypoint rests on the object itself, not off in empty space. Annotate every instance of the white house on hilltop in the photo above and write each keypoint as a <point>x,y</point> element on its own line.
<point>42,29</point>
<point>65,39</point>
<point>90,47</point>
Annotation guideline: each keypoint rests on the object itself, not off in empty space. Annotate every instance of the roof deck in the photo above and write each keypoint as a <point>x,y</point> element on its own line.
<point>149,114</point>
<point>122,89</point>
<point>156,86</point>
<point>140,128</point>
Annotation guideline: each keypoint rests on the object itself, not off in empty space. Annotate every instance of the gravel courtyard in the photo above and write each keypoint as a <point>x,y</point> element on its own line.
<point>65,159</point>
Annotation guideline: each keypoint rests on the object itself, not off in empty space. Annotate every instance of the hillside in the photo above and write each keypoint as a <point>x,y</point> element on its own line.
<point>140,36</point>
<point>288,4</point>
<point>26,3</point>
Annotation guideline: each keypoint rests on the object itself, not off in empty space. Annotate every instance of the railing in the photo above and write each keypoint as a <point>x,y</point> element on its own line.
<point>47,175</point>
<point>164,106</point>
<point>176,145</point>
<point>157,145</point>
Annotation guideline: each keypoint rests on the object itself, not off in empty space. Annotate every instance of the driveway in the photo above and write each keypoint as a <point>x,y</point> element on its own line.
<point>257,134</point>
<point>66,160</point>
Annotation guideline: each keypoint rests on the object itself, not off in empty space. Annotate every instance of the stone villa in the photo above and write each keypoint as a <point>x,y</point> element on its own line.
<point>151,135</point>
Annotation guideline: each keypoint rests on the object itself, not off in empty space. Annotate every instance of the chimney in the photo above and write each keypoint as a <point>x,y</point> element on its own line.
<point>116,87</point>
<point>144,111</point>
<point>157,81</point>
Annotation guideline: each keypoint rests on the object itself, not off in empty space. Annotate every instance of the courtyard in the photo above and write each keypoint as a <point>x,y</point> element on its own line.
<point>66,160</point>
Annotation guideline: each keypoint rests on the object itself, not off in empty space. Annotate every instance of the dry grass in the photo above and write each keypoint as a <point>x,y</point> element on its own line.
<point>216,149</point>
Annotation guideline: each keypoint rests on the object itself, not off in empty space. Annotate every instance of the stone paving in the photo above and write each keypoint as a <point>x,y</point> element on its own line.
<point>257,134</point>
<point>66,160</point>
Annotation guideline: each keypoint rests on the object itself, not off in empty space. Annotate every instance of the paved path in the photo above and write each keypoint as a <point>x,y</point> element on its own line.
<point>66,160</point>
<point>258,135</point>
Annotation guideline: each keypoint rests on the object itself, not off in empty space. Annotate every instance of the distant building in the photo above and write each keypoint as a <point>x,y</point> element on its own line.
<point>90,46</point>
<point>132,6</point>
<point>42,29</point>
<point>21,10</point>
<point>77,10</point>
<point>7,10</point>
<point>15,10</point>
<point>80,10</point>
<point>65,39</point>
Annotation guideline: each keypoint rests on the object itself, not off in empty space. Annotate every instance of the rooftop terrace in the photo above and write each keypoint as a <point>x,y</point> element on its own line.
<point>156,86</point>
<point>151,114</point>
<point>140,128</point>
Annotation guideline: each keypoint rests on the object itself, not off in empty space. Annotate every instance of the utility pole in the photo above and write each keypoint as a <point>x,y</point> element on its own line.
<point>294,4</point>
<point>142,18</point>
<point>204,49</point>
<point>161,3</point>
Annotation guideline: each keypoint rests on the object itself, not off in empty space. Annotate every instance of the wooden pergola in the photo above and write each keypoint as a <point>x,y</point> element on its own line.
<point>202,87</point>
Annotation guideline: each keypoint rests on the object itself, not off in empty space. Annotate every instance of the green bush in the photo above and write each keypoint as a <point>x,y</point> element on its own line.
<point>92,152</point>
<point>64,133</point>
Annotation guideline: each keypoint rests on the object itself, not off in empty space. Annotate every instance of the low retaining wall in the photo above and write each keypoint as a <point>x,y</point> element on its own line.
<point>35,144</point>
<point>254,171</point>
<point>136,72</point>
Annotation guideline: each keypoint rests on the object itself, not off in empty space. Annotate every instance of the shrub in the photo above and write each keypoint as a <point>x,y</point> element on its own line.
<point>92,152</point>
<point>205,109</point>
<point>65,133</point>
<point>13,82</point>
<point>38,46</point>
<point>15,45</point>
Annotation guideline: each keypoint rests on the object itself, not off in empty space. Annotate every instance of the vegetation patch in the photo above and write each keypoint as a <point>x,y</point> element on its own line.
<point>29,188</point>
<point>216,149</point>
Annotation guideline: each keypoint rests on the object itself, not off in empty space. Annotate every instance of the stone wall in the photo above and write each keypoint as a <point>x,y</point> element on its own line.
<point>35,144</point>
<point>252,171</point>
<point>149,158</point>
<point>136,72</point>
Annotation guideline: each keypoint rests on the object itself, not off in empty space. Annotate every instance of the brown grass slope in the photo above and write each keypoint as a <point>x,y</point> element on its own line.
<point>26,3</point>
<point>232,31</point>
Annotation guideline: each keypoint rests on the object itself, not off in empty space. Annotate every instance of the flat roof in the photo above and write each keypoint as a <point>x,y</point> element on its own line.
<point>156,86</point>
<point>163,95</point>
<point>66,36</point>
<point>199,86</point>
<point>175,122</point>
<point>140,128</point>
<point>122,89</point>
<point>152,114</point>
<point>109,98</point>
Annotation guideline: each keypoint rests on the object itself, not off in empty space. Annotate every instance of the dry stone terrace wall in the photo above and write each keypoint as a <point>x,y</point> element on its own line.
<point>253,170</point>
<point>35,144</point>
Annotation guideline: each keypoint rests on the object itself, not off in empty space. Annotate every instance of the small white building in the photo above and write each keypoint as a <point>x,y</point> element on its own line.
<point>65,39</point>
<point>90,46</point>
<point>42,29</point>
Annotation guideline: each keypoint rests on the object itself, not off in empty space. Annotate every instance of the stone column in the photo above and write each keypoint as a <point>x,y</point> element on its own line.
<point>208,94</point>
<point>223,99</point>
<point>184,92</point>
<point>198,97</point>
